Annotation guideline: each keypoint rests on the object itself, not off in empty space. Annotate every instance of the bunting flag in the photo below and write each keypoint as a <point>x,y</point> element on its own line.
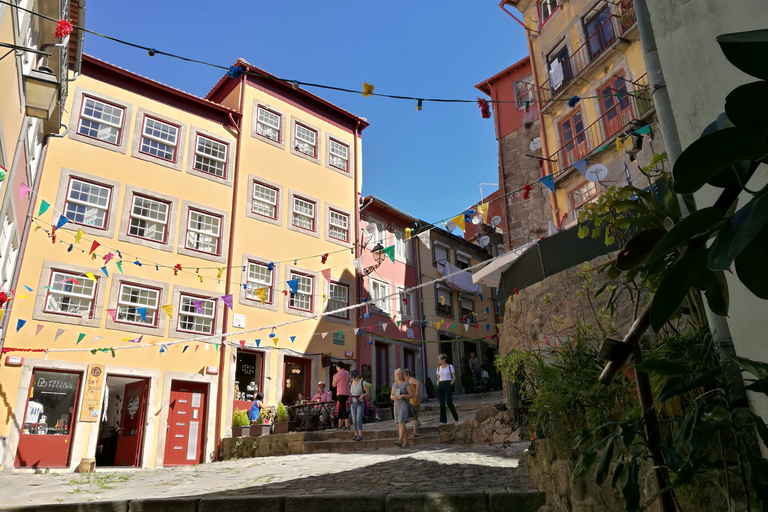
<point>242,344</point>
<point>459,221</point>
<point>90,276</point>
<point>23,190</point>
<point>323,334</point>
<point>438,324</point>
<point>581,166</point>
<point>477,327</point>
<point>549,182</point>
<point>261,293</point>
<point>357,331</point>
<point>408,233</point>
<point>22,296</point>
<point>96,338</point>
<point>20,323</point>
<point>644,130</point>
<point>59,332</point>
<point>217,347</point>
<point>227,300</point>
<point>142,313</point>
<point>104,269</point>
<point>108,257</point>
<point>275,341</point>
<point>43,207</point>
<point>197,347</point>
<point>39,328</point>
<point>168,310</point>
<point>358,263</point>
<point>424,238</point>
<point>28,288</point>
<point>293,284</point>
<point>398,323</point>
<point>95,245</point>
<point>488,327</point>
<point>198,306</point>
<point>483,211</point>
<point>453,326</point>
<point>466,327</point>
<point>258,342</point>
<point>80,337</point>
<point>162,348</point>
<point>112,313</point>
<point>293,338</point>
<point>79,235</point>
<point>119,265</point>
<point>62,220</point>
<point>390,251</point>
<point>184,349</point>
<point>326,272</point>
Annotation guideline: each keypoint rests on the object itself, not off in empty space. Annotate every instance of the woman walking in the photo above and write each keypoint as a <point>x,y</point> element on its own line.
<point>359,390</point>
<point>400,397</point>
<point>446,376</point>
<point>341,383</point>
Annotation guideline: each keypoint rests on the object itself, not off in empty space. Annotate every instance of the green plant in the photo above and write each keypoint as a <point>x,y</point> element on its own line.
<point>240,418</point>
<point>430,388</point>
<point>382,395</point>
<point>282,414</point>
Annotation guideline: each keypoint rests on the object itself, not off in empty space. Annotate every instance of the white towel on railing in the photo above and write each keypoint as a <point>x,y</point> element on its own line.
<point>556,74</point>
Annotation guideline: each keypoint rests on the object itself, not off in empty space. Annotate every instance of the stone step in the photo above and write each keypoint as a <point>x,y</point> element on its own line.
<point>344,435</point>
<point>367,444</point>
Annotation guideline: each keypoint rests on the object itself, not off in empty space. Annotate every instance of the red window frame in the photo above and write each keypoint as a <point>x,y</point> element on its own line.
<point>314,216</point>
<point>577,137</point>
<point>277,199</point>
<point>221,231</point>
<point>331,139</point>
<point>122,120</point>
<point>76,275</point>
<point>130,215</point>
<point>196,297</point>
<point>614,106</point>
<point>345,312</point>
<point>279,129</point>
<point>271,283</point>
<point>576,206</point>
<point>175,147</point>
<point>329,225</point>
<point>538,12</point>
<point>317,138</point>
<point>194,153</point>
<point>293,275</point>
<point>137,285</point>
<point>109,203</point>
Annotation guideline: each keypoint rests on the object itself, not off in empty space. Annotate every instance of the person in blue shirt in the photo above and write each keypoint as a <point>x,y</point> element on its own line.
<point>256,407</point>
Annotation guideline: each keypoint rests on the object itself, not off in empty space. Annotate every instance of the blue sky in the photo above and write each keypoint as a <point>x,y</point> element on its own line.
<point>426,163</point>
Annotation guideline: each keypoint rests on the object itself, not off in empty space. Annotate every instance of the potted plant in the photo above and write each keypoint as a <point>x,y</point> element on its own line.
<point>281,419</point>
<point>241,425</point>
<point>262,424</point>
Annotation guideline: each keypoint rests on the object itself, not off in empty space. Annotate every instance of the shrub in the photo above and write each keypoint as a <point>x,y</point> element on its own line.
<point>282,414</point>
<point>240,418</point>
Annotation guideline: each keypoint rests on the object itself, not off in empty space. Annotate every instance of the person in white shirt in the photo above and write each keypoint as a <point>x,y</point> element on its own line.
<point>446,376</point>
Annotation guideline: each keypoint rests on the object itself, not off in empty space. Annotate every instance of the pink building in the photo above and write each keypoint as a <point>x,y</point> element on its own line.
<point>390,327</point>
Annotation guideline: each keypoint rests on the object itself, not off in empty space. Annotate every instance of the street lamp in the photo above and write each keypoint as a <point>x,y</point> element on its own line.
<point>378,256</point>
<point>42,88</point>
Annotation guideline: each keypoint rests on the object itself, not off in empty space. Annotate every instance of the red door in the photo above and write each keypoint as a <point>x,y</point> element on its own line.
<point>186,424</point>
<point>131,436</point>
<point>616,105</point>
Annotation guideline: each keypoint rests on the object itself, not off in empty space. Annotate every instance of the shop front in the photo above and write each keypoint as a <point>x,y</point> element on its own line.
<point>249,378</point>
<point>122,426</point>
<point>297,378</point>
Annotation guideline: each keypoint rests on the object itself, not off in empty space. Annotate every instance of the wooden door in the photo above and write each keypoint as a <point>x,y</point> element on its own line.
<point>382,365</point>
<point>185,429</point>
<point>131,435</point>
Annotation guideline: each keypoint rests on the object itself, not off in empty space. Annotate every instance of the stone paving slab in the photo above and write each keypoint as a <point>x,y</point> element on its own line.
<point>437,468</point>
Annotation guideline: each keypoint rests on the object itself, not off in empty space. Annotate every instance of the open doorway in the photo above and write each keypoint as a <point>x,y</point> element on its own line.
<point>297,372</point>
<point>123,422</point>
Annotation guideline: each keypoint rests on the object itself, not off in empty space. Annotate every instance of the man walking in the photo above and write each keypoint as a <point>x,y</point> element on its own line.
<point>477,371</point>
<point>414,386</point>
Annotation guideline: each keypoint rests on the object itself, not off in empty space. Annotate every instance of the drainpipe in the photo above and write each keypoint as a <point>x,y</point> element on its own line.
<point>419,312</point>
<point>358,279</point>
<point>502,181</point>
<point>230,250</point>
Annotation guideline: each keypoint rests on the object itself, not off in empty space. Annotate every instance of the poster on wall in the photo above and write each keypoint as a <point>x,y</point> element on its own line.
<point>94,384</point>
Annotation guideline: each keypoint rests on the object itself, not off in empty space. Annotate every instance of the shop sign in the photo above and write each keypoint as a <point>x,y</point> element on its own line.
<point>94,385</point>
<point>338,338</point>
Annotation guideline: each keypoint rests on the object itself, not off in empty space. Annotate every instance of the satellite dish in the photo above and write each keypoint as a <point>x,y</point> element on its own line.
<point>371,230</point>
<point>496,221</point>
<point>483,241</point>
<point>597,172</point>
<point>535,144</point>
<point>450,226</point>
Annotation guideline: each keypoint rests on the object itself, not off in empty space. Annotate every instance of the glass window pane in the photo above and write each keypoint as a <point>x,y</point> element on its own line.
<point>51,403</point>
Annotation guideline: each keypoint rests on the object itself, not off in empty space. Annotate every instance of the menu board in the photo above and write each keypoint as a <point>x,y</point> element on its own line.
<point>94,385</point>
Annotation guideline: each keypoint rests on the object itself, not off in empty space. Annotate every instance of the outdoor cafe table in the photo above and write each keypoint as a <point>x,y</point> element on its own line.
<point>306,414</point>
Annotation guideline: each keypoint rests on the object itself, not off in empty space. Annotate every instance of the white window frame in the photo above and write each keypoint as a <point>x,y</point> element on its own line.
<point>379,295</point>
<point>159,140</point>
<point>149,220</point>
<point>448,299</point>
<point>263,125</point>
<point>440,262</point>
<point>337,225</point>
<point>406,308</point>
<point>304,140</point>
<point>335,154</point>
<point>401,245</point>
<point>151,315</point>
<point>194,314</point>
<point>255,198</point>
<point>80,202</point>
<point>200,232</point>
<point>334,303</point>
<point>254,284</point>
<point>463,258</point>
<point>200,157</point>
<point>470,300</point>
<point>551,7</point>
<point>101,121</point>
<point>294,213</point>
<point>302,294</point>
<point>57,279</point>
<point>524,91</point>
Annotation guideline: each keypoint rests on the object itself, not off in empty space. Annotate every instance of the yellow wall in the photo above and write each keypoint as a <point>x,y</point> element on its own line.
<point>11,108</point>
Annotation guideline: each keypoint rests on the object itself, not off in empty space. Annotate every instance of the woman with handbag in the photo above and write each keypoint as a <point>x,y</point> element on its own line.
<point>400,396</point>
<point>359,390</point>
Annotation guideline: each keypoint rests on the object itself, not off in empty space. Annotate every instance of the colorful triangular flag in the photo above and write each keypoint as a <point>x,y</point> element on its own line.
<point>227,300</point>
<point>104,269</point>
<point>119,265</point>
<point>581,166</point>
<point>274,340</point>
<point>261,293</point>
<point>62,220</point>
<point>459,221</point>
<point>20,323</point>
<point>95,245</point>
<point>23,190</point>
<point>28,288</point>
<point>482,209</point>
<point>549,182</point>
<point>80,337</point>
<point>390,251</point>
<point>258,342</point>
<point>112,313</point>
<point>198,306</point>
<point>293,284</point>
<point>59,332</point>
<point>168,308</point>
<point>90,276</point>
<point>184,349</point>
<point>242,344</point>
<point>43,207</point>
<point>39,328</point>
<point>142,313</point>
<point>326,272</point>
<point>293,338</point>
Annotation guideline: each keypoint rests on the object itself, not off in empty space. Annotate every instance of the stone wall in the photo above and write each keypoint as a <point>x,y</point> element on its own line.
<point>527,219</point>
<point>490,425</point>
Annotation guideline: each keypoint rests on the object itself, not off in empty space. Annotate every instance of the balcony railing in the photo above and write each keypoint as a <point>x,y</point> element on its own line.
<point>595,45</point>
<point>628,108</point>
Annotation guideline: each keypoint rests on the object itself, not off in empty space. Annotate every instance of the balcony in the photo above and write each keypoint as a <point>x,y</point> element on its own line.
<point>631,107</point>
<point>606,40</point>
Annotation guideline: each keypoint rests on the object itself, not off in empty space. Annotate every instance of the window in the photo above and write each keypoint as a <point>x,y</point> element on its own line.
<point>70,294</point>
<point>379,291</point>
<point>401,244</point>
<point>131,298</point>
<point>440,253</point>
<point>192,319</point>
<point>87,203</point>
<point>462,260</point>
<point>406,304</point>
<point>306,140</point>
<point>617,113</point>
<point>211,156</point>
<point>101,121</point>
<point>339,225</point>
<point>584,194</point>
<point>268,124</point>
<point>259,276</point>
<point>302,299</point>
<point>149,219</point>
<point>546,8</point>
<point>264,200</point>
<point>524,91</point>
<point>381,234</point>
<point>599,31</point>
<point>444,306</point>
<point>338,298</point>
<point>203,232</point>
<point>303,214</point>
<point>560,72</point>
<point>573,139</point>
<point>467,305</point>
<point>159,139</point>
<point>338,155</point>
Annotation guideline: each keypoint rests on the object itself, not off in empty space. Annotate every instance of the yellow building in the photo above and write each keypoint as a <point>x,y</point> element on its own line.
<point>170,208</point>
<point>593,89</point>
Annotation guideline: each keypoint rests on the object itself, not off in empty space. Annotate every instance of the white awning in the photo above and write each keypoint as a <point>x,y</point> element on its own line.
<point>490,275</point>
